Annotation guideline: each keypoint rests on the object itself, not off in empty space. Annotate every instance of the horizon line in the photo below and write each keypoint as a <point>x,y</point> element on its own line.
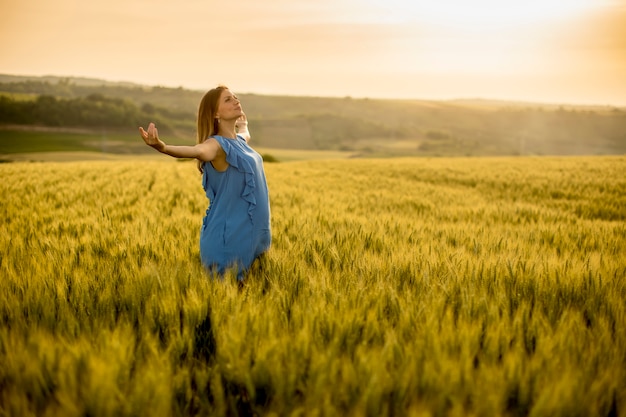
<point>514,101</point>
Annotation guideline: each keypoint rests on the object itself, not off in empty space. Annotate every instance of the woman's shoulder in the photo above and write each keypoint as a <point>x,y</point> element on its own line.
<point>212,140</point>
<point>222,139</point>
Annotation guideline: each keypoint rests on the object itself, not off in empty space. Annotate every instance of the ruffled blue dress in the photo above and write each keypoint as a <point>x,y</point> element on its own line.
<point>236,227</point>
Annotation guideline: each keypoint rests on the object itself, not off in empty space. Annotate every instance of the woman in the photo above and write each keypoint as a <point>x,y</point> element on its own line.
<point>236,227</point>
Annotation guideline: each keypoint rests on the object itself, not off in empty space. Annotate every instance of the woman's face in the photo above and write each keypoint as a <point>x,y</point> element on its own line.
<point>228,106</point>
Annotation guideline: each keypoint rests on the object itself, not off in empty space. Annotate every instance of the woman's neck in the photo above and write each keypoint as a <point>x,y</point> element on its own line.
<point>227,129</point>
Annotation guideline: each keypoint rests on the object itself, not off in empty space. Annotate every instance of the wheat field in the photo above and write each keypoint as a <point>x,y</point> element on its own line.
<point>394,287</point>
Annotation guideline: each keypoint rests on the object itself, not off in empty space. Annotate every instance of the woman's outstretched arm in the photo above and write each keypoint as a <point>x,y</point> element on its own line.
<point>206,151</point>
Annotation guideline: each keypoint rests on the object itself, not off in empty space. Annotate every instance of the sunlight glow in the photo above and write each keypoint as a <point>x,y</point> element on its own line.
<point>548,50</point>
<point>481,12</point>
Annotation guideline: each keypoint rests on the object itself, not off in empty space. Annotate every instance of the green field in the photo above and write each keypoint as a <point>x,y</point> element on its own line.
<point>410,286</point>
<point>56,145</point>
<point>45,141</point>
<point>52,140</point>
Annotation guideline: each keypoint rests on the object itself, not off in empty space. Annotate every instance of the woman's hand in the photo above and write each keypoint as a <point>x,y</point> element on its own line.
<point>242,127</point>
<point>151,137</point>
<point>242,122</point>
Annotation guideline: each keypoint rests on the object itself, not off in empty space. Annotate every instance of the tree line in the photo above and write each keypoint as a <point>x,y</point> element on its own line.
<point>94,110</point>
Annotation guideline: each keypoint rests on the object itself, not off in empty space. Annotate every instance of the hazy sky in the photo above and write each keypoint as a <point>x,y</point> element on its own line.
<point>565,51</point>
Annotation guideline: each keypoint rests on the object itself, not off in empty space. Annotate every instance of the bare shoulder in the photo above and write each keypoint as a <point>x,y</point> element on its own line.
<point>210,141</point>
<point>210,149</point>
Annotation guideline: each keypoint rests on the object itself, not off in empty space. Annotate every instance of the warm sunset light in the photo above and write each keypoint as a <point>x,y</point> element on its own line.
<point>485,12</point>
<point>313,207</point>
<point>536,50</point>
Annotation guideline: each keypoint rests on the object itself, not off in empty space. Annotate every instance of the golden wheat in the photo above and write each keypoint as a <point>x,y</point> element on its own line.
<point>486,286</point>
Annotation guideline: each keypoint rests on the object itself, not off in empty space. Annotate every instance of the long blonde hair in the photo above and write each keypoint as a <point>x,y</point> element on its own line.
<point>208,124</point>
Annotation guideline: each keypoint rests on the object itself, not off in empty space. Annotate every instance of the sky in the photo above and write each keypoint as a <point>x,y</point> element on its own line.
<point>553,51</point>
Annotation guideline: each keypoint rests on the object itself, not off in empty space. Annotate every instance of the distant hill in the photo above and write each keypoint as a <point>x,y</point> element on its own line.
<point>368,127</point>
<point>54,79</point>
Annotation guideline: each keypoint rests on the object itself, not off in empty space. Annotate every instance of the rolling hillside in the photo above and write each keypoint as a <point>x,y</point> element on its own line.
<point>362,126</point>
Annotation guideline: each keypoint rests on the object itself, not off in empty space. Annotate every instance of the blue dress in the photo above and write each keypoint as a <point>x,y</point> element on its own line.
<point>236,227</point>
